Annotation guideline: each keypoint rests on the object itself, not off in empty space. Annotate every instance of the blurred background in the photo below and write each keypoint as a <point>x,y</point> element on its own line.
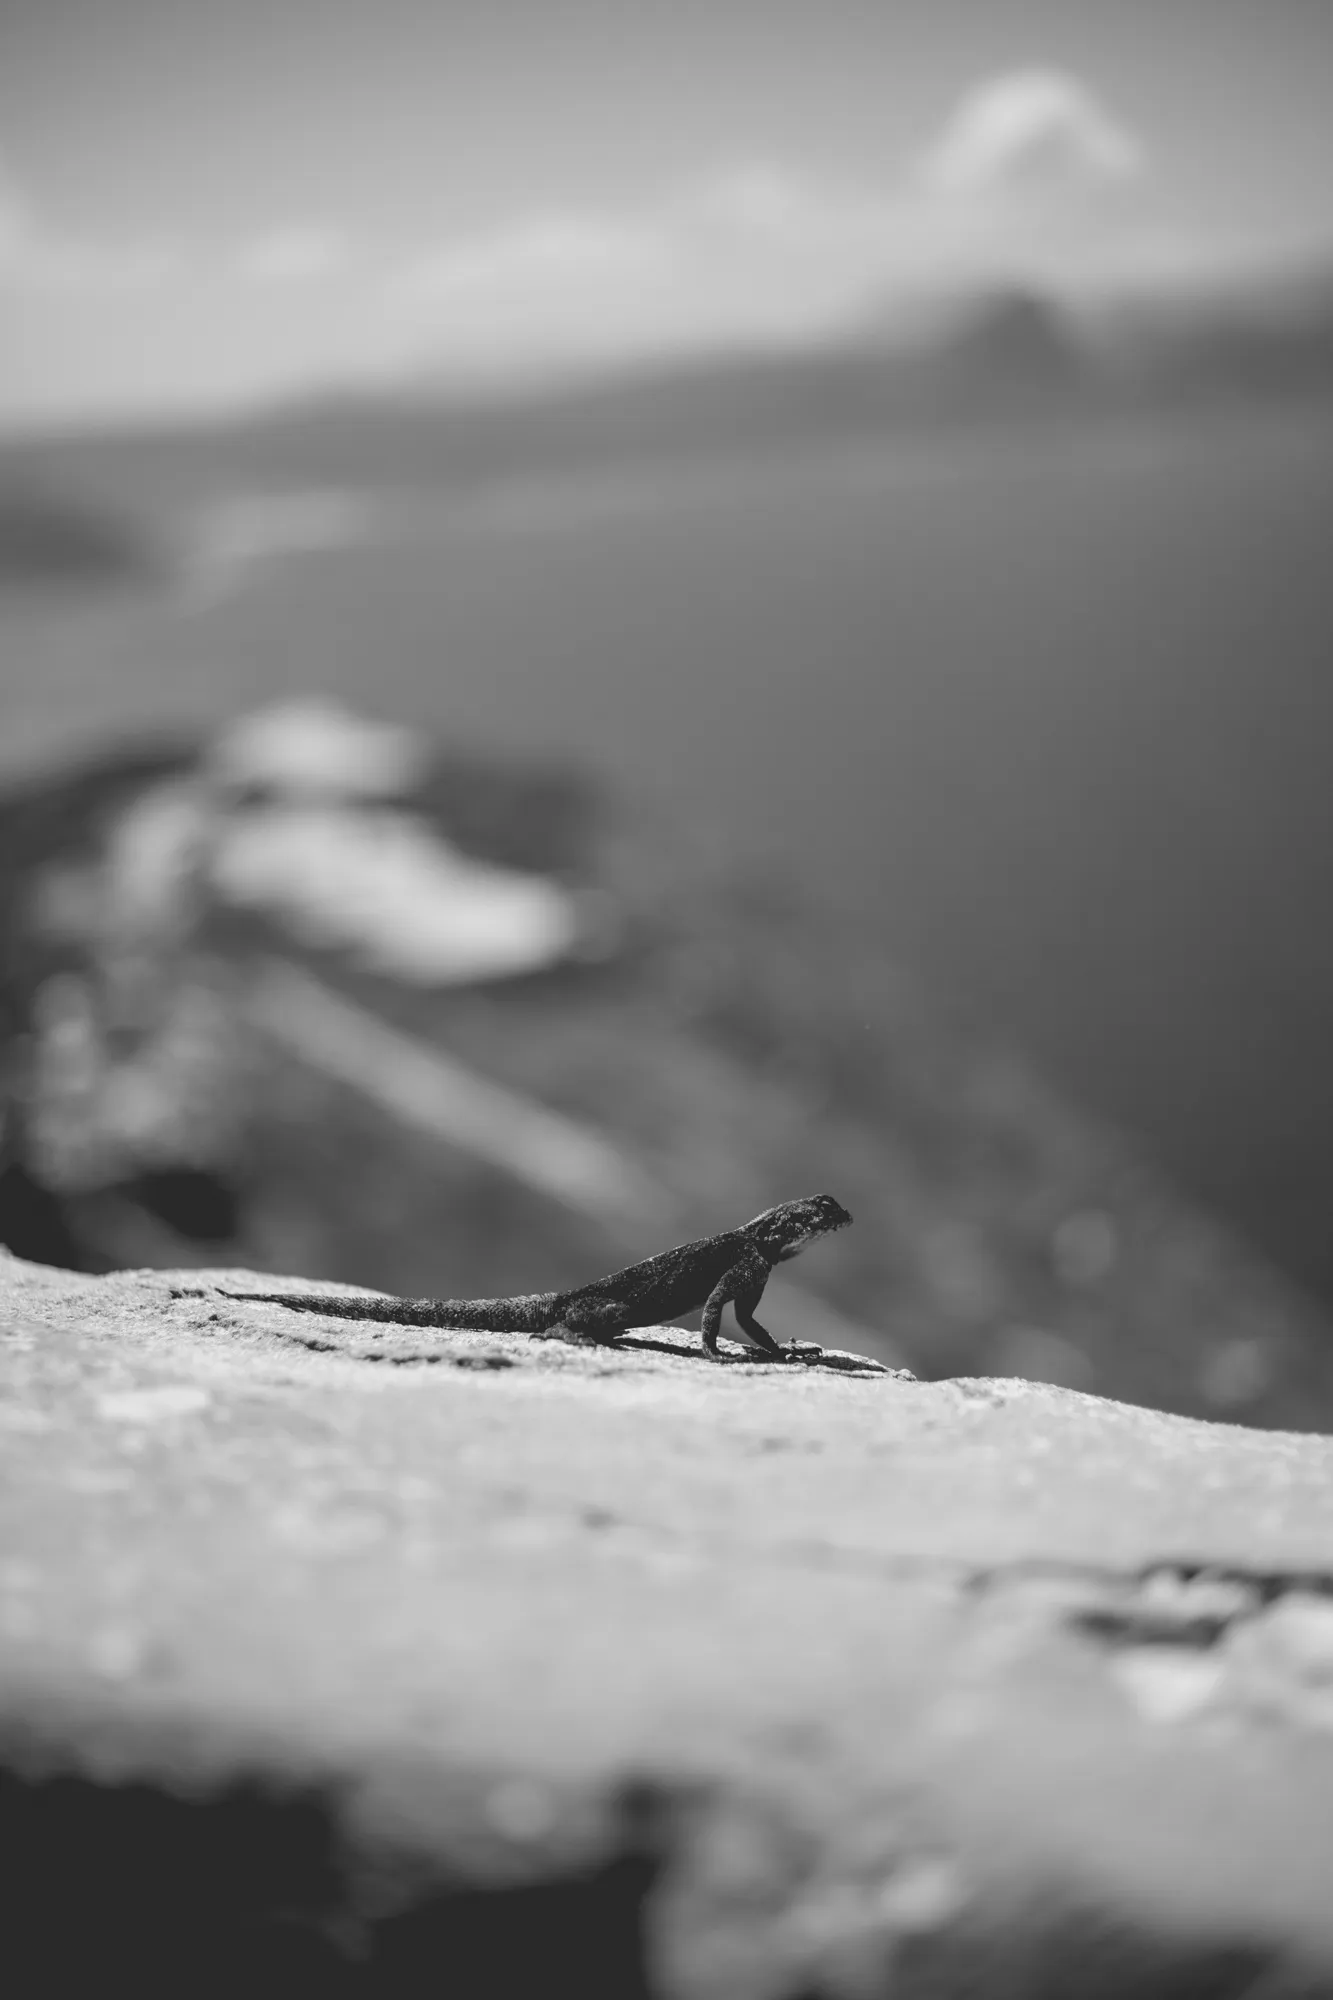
<point>609,614</point>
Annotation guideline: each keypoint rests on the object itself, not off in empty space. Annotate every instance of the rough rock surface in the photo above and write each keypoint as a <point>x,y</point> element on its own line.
<point>501,1665</point>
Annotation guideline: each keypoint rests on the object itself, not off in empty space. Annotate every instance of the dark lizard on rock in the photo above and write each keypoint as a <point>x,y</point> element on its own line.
<point>712,1272</point>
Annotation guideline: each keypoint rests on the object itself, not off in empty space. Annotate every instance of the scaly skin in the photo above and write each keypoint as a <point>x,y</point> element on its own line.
<point>714,1271</point>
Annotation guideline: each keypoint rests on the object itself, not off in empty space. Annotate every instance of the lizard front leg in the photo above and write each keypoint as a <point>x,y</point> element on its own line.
<point>743,1286</point>
<point>743,1307</point>
<point>766,1348</point>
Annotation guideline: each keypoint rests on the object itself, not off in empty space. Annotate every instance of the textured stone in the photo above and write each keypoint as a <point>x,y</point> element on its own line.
<point>505,1659</point>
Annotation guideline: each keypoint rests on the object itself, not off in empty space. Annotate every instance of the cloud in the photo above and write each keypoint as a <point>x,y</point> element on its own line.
<point>751,213</point>
<point>15,220</point>
<point>54,264</point>
<point>35,258</point>
<point>293,254</point>
<point>556,285</point>
<point>759,248</point>
<point>520,258</point>
<point>17,226</point>
<point>1024,179</point>
<point>750,249</point>
<point>1031,133</point>
<point>764,200</point>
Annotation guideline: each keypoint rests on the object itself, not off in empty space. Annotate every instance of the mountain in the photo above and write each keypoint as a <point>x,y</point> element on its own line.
<point>1010,356</point>
<point>1252,345</point>
<point>47,539</point>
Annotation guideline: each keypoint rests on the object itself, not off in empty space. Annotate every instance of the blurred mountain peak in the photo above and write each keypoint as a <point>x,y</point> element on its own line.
<point>315,472</point>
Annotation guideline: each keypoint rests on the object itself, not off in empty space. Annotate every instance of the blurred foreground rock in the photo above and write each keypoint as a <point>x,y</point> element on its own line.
<point>472,1664</point>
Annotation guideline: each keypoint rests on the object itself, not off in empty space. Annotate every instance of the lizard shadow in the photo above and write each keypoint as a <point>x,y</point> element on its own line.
<point>813,1357</point>
<point>627,1342</point>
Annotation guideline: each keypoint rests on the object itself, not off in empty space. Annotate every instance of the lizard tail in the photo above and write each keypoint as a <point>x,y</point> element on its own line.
<point>530,1312</point>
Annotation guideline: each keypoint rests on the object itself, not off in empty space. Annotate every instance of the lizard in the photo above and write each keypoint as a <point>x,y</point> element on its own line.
<point>711,1272</point>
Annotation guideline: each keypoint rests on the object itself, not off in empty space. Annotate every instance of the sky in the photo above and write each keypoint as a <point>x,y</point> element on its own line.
<point>203,204</point>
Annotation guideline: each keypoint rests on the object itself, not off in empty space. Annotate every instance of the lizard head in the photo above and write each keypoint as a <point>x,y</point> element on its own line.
<point>784,1231</point>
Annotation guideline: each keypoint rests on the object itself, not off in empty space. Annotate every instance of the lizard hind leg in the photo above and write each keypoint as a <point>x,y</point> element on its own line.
<point>743,1288</point>
<point>600,1322</point>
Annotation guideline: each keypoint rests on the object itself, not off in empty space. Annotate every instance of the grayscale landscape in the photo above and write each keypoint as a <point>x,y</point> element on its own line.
<point>666,664</point>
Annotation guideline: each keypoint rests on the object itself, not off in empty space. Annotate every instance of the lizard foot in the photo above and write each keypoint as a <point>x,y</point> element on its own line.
<point>578,1336</point>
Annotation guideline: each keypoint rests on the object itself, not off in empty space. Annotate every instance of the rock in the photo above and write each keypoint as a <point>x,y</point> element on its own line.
<point>340,1658</point>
